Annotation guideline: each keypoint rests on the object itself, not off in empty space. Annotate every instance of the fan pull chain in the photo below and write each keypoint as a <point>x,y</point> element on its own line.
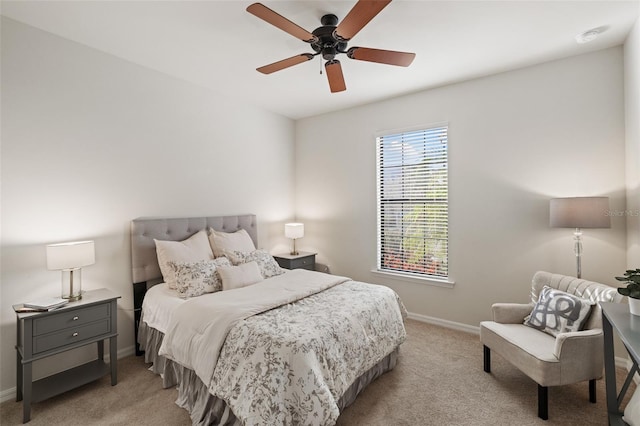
<point>320,67</point>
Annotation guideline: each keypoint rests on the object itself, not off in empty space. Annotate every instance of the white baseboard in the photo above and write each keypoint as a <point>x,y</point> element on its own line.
<point>10,394</point>
<point>128,351</point>
<point>445,323</point>
<point>627,364</point>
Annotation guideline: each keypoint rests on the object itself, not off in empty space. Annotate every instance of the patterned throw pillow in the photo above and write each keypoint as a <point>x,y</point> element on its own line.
<point>193,249</point>
<point>267,264</point>
<point>559,312</point>
<point>197,278</point>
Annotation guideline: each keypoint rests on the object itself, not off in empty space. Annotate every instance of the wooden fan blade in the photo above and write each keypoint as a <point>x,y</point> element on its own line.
<point>277,20</point>
<point>359,16</point>
<point>335,77</point>
<point>391,57</point>
<point>285,63</point>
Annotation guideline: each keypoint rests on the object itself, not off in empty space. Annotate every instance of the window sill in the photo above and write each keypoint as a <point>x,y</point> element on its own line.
<point>415,278</point>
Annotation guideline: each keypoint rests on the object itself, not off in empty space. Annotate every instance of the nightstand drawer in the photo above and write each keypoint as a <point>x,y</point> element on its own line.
<point>307,262</point>
<point>71,335</point>
<point>74,318</point>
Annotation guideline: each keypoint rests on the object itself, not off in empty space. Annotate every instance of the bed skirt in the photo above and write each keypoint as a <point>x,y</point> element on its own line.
<point>206,409</point>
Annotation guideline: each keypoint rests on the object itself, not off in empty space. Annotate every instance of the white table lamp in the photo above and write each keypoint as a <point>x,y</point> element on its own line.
<point>70,258</point>
<point>294,231</point>
<point>578,213</point>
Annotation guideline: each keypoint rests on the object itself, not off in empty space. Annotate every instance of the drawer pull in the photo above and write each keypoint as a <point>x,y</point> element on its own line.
<point>76,318</point>
<point>75,334</point>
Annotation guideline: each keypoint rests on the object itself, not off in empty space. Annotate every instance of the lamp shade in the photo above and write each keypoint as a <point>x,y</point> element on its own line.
<point>294,230</point>
<point>579,212</point>
<point>70,255</point>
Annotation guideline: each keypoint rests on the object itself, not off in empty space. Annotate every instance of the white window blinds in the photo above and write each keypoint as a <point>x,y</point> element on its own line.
<point>413,198</point>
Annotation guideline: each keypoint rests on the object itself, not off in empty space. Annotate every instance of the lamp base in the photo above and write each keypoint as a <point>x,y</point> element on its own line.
<point>73,298</point>
<point>72,284</point>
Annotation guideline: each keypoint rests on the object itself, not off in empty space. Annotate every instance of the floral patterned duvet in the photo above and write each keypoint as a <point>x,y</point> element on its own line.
<point>285,350</point>
<point>290,365</point>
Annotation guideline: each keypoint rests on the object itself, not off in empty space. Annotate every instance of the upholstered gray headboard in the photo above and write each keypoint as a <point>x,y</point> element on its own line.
<point>144,261</point>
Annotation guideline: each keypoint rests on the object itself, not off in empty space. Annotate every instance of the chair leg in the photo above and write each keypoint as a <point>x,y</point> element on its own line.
<point>592,390</point>
<point>543,402</point>
<point>487,359</point>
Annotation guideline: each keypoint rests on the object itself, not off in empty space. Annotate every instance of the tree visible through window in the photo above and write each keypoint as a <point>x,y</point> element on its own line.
<point>413,200</point>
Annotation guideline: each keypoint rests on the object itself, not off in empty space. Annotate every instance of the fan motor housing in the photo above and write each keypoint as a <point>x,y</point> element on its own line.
<point>327,44</point>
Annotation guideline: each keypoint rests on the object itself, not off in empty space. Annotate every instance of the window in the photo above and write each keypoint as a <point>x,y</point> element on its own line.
<point>413,198</point>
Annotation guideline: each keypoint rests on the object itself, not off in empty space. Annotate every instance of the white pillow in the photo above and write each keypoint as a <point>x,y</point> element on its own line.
<point>193,249</point>
<point>221,241</point>
<point>632,410</point>
<point>267,264</point>
<point>239,276</point>
<point>197,278</point>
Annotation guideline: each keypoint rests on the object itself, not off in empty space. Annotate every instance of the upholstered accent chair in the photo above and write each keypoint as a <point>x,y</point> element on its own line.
<point>568,357</point>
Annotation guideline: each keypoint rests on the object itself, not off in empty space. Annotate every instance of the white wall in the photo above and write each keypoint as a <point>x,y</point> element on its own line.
<point>632,110</point>
<point>516,140</point>
<point>90,141</point>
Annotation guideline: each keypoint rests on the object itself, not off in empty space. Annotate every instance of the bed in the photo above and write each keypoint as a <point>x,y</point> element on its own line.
<point>296,347</point>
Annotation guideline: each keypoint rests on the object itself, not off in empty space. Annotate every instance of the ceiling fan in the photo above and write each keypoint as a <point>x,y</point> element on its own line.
<point>331,39</point>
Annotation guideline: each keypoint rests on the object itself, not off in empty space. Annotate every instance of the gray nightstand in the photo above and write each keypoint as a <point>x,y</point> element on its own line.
<point>303,260</point>
<point>91,319</point>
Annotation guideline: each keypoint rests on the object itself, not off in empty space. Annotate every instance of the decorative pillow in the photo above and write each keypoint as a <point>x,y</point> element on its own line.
<point>632,410</point>
<point>221,241</point>
<point>239,276</point>
<point>197,278</point>
<point>559,312</point>
<point>267,264</point>
<point>193,249</point>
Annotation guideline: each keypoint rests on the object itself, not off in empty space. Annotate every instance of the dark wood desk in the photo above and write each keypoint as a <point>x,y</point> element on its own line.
<point>616,316</point>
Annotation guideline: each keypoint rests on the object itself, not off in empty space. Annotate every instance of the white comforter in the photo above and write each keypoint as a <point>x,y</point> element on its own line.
<point>291,365</point>
<point>198,328</point>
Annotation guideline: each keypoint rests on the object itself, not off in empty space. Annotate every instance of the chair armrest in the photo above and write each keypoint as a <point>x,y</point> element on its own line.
<point>510,313</point>
<point>576,344</point>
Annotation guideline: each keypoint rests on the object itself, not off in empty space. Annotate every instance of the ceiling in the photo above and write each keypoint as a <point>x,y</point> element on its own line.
<point>218,45</point>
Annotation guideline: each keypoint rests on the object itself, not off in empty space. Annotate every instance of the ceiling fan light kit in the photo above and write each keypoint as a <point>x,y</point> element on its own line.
<point>331,39</point>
